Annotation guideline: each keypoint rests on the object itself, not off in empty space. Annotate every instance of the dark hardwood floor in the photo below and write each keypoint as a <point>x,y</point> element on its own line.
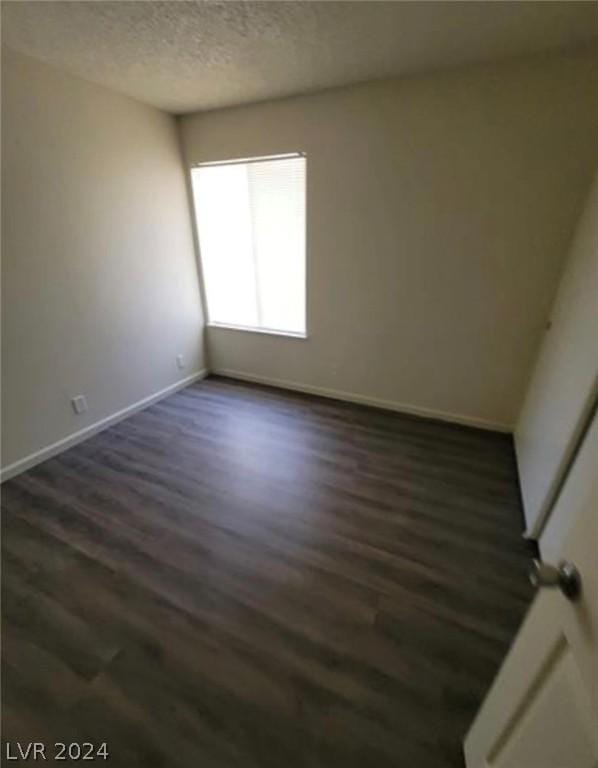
<point>239,576</point>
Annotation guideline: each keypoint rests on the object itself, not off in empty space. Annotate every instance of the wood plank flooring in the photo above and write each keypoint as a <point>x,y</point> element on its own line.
<point>239,576</point>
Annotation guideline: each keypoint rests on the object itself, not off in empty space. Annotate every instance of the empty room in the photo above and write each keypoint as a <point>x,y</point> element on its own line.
<point>299,451</point>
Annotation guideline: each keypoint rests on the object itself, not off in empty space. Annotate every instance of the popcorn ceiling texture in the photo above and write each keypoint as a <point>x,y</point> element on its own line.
<point>189,56</point>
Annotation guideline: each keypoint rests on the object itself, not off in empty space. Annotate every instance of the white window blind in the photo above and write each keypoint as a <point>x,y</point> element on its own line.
<point>251,226</point>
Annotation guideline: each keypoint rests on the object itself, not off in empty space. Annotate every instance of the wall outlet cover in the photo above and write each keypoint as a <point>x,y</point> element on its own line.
<point>180,362</point>
<point>79,404</point>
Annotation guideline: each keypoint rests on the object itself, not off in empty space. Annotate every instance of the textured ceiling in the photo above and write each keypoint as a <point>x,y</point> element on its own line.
<point>187,56</point>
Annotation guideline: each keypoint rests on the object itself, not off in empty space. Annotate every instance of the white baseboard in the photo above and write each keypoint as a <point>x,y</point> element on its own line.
<point>336,394</point>
<point>352,397</point>
<point>77,437</point>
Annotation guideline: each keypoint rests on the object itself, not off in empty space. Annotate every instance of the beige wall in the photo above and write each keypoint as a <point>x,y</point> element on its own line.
<point>564,384</point>
<point>439,212</point>
<point>99,281</point>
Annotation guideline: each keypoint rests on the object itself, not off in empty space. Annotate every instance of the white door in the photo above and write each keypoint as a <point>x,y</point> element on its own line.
<point>542,709</point>
<point>565,378</point>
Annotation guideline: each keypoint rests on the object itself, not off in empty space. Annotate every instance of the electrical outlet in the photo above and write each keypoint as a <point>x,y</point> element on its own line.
<point>79,404</point>
<point>180,362</point>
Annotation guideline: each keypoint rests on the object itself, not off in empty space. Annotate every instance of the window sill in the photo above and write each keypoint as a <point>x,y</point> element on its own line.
<point>250,329</point>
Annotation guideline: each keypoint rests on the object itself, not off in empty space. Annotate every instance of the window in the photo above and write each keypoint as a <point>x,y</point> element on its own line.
<point>251,226</point>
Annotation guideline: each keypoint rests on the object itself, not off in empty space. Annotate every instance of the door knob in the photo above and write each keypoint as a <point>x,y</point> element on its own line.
<point>565,576</point>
